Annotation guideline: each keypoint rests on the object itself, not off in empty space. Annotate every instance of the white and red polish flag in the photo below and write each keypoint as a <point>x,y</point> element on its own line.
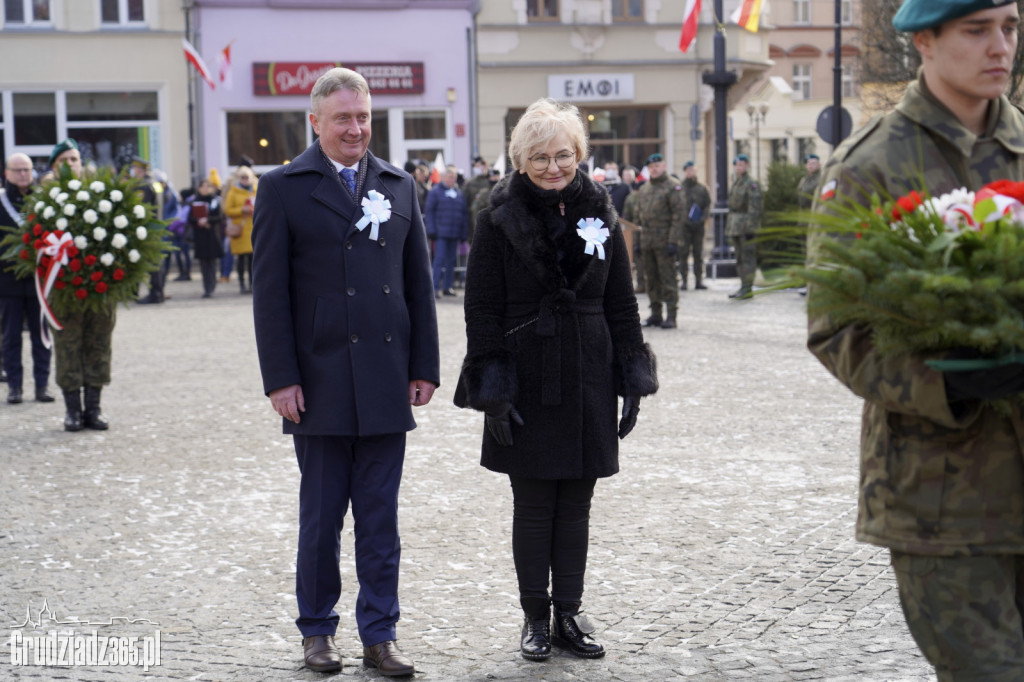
<point>690,15</point>
<point>195,60</point>
<point>224,67</point>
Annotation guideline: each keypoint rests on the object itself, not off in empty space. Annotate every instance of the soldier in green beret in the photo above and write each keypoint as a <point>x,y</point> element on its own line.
<point>805,189</point>
<point>942,470</point>
<point>743,224</point>
<point>659,208</point>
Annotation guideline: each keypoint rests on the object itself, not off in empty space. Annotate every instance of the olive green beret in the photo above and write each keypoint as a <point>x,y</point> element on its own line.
<point>917,15</point>
<point>62,147</point>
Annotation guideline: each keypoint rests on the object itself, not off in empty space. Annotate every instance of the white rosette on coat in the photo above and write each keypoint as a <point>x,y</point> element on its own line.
<point>593,232</point>
<point>376,210</point>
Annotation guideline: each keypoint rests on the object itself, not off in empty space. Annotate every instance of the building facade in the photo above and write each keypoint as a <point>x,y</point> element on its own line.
<point>415,54</point>
<point>108,73</point>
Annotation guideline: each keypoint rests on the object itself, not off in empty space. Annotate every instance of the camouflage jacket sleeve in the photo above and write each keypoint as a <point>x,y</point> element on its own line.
<point>755,202</point>
<point>902,384</point>
<point>629,211</point>
<point>703,200</point>
<point>677,202</point>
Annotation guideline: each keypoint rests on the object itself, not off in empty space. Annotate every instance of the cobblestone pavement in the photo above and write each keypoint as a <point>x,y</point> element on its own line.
<point>723,550</point>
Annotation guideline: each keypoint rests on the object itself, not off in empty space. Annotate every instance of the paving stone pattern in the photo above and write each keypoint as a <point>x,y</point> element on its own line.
<point>723,550</point>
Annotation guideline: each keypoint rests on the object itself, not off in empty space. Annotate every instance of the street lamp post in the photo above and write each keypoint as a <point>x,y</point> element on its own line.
<point>757,117</point>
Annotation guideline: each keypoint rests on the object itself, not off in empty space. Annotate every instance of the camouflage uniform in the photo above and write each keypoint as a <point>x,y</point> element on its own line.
<point>697,195</point>
<point>83,348</point>
<point>806,190</point>
<point>660,209</point>
<point>943,490</point>
<point>629,212</point>
<point>743,224</point>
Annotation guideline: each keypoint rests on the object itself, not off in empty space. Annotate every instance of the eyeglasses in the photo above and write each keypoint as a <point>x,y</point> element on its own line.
<point>20,170</point>
<point>563,160</point>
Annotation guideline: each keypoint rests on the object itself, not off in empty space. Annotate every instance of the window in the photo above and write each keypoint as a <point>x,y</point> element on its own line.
<point>542,10</point>
<point>35,118</point>
<point>846,12</point>
<point>802,81</point>
<point>806,146</point>
<point>801,11</point>
<point>112,106</point>
<point>424,125</point>
<point>26,11</point>
<point>627,10</point>
<point>269,138</point>
<point>847,80</point>
<point>122,11</point>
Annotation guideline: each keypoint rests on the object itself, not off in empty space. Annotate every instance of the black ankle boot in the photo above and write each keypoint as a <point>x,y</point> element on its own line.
<point>94,418</point>
<point>535,644</point>
<point>73,415</point>
<point>572,632</point>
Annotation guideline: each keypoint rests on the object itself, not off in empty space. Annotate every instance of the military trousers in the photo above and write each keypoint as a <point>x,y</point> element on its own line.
<point>746,259</point>
<point>82,349</point>
<point>660,275</point>
<point>693,243</point>
<point>965,613</point>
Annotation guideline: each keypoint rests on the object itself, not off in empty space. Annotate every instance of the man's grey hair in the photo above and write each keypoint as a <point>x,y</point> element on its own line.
<point>337,79</point>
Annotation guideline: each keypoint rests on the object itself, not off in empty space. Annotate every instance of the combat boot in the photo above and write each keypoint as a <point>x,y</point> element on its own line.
<point>653,321</point>
<point>670,322</point>
<point>73,414</point>
<point>699,282</point>
<point>94,418</point>
<point>742,293</point>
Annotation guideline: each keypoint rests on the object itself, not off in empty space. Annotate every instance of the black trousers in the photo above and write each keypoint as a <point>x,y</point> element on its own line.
<point>550,536</point>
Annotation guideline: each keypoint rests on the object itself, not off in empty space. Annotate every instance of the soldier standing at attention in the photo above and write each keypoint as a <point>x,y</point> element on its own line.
<point>942,475</point>
<point>698,200</point>
<point>659,210</point>
<point>806,190</point>
<point>743,224</point>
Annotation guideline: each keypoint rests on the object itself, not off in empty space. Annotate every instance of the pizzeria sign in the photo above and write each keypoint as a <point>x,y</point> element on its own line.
<point>271,79</point>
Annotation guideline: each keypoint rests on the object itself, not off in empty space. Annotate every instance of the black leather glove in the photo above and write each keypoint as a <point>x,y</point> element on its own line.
<point>499,422</point>
<point>630,410</point>
<point>982,384</point>
<point>673,249</point>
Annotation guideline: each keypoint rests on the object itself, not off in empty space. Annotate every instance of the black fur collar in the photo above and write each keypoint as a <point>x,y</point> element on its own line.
<point>531,221</point>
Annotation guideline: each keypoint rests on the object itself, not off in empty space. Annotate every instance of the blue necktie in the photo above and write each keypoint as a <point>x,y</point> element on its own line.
<point>348,176</point>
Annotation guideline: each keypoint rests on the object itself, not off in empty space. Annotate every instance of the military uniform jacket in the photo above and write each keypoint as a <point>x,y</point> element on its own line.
<point>660,208</point>
<point>696,194</point>
<point>744,207</point>
<point>350,319</point>
<point>552,329</point>
<point>807,189</point>
<point>931,481</point>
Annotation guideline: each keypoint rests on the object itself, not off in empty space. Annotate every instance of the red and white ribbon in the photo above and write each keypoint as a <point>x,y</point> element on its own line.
<point>57,249</point>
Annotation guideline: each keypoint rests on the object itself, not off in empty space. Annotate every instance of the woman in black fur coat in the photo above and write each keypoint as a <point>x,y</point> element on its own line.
<point>553,338</point>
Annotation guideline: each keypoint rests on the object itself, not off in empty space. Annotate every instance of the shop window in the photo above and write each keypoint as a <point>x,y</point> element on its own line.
<point>542,10</point>
<point>35,118</point>
<point>122,12</point>
<point>627,10</point>
<point>26,11</point>
<point>269,138</point>
<point>424,125</point>
<point>113,146</point>
<point>112,106</point>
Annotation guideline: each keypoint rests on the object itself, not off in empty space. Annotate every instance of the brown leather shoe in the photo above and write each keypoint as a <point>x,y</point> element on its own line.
<point>386,658</point>
<point>321,654</point>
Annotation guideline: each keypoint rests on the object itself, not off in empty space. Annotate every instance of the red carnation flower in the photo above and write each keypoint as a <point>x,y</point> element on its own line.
<point>24,254</point>
<point>75,265</point>
<point>118,275</point>
<point>1007,188</point>
<point>81,293</point>
<point>90,260</point>
<point>76,281</point>
<point>27,238</point>
<point>96,276</point>
<point>72,251</point>
<point>30,217</point>
<point>101,287</point>
<point>38,244</point>
<point>59,284</point>
<point>37,229</point>
<point>906,204</point>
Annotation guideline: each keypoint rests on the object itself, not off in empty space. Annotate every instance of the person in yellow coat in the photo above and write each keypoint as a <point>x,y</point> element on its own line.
<point>238,204</point>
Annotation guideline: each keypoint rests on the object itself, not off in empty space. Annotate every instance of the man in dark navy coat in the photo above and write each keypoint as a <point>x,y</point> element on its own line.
<point>347,337</point>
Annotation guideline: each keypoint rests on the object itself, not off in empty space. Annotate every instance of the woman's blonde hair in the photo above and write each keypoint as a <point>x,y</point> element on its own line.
<point>543,121</point>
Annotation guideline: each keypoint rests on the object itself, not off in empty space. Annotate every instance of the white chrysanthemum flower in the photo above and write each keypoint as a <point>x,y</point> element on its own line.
<point>941,205</point>
<point>107,259</point>
<point>97,186</point>
<point>120,222</point>
<point>118,241</point>
<point>99,234</point>
<point>61,198</point>
<point>134,256</point>
<point>140,211</point>
<point>74,184</point>
<point>62,223</point>
<point>54,192</point>
<point>90,216</point>
<point>141,232</point>
<point>105,206</point>
<point>69,210</point>
<point>115,195</point>
<point>39,206</point>
<point>81,242</point>
<point>82,196</point>
<point>48,212</point>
